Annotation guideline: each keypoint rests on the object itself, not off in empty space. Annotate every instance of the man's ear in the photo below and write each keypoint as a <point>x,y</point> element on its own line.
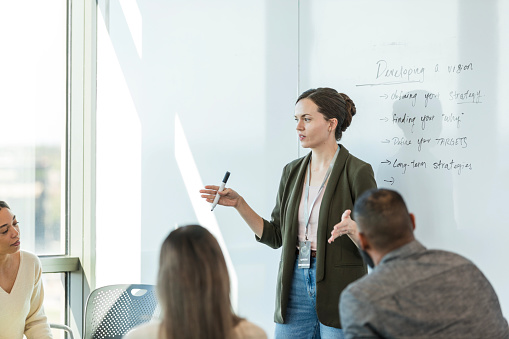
<point>412,218</point>
<point>364,243</point>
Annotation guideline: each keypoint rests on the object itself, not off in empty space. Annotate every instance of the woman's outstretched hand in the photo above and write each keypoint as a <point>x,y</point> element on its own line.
<point>228,197</point>
<point>347,226</point>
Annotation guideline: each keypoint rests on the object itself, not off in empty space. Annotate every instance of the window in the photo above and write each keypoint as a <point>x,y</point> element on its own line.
<point>33,94</point>
<point>55,300</point>
<point>45,138</point>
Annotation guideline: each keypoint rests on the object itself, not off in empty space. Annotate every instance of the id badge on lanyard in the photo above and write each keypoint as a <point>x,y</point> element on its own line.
<point>305,246</point>
<point>305,254</point>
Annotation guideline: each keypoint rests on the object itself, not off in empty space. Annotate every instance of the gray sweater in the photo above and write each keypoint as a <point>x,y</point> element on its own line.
<point>420,293</point>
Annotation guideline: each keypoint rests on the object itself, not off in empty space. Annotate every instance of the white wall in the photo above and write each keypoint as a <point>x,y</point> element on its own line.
<point>209,87</point>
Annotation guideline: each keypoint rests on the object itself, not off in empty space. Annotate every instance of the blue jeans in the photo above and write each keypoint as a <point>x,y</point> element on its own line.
<point>301,319</point>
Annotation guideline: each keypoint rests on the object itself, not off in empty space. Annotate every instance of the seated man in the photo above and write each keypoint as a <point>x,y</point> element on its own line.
<point>413,292</point>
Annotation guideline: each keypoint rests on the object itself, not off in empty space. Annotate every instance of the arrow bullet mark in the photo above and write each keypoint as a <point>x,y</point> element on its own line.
<point>391,181</point>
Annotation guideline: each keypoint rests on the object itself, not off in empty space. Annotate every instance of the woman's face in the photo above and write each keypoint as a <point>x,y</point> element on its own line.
<point>9,232</point>
<point>312,128</point>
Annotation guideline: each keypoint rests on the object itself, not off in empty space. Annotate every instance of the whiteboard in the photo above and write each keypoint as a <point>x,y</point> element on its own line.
<point>430,81</point>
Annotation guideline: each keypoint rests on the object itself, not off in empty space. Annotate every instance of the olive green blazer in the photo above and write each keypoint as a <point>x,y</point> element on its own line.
<point>337,264</point>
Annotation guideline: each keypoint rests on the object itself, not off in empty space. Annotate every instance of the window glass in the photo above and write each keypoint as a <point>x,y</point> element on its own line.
<point>33,95</point>
<point>54,300</point>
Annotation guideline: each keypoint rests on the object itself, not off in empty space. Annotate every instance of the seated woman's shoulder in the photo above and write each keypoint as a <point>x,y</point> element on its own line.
<point>148,330</point>
<point>29,255</point>
<point>30,258</point>
<point>248,330</point>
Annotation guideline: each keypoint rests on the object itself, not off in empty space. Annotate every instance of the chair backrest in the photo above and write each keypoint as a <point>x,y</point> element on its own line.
<point>111,311</point>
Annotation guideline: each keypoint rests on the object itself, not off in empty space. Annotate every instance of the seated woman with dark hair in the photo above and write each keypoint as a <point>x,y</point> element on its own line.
<point>21,292</point>
<point>194,291</point>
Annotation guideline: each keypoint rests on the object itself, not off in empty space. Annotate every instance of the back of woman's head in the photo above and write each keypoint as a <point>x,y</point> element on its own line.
<point>332,105</point>
<point>194,286</point>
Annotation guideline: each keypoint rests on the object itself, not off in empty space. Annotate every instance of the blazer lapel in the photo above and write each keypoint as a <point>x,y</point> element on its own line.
<point>324,229</point>
<point>292,216</point>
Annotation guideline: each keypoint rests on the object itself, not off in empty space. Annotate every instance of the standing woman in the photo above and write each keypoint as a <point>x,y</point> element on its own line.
<point>313,204</point>
<point>21,292</point>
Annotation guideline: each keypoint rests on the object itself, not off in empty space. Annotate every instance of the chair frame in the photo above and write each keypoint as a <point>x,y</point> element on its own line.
<point>64,328</point>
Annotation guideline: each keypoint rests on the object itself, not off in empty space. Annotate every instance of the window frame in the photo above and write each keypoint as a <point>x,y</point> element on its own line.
<point>79,199</point>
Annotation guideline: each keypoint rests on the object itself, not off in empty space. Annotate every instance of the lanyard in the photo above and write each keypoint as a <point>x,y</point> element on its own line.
<point>306,193</point>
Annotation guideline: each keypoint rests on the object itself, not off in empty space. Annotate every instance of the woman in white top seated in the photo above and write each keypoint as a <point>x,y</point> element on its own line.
<point>194,291</point>
<point>21,292</point>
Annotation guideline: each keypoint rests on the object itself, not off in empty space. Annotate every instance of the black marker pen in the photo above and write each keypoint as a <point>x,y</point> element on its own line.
<point>221,188</point>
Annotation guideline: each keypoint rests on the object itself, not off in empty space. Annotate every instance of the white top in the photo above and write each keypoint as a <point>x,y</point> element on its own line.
<point>244,330</point>
<point>21,311</point>
<point>313,219</point>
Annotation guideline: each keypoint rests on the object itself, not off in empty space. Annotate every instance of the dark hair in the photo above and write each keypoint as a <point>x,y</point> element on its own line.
<point>3,204</point>
<point>194,287</point>
<point>382,216</point>
<point>332,105</point>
